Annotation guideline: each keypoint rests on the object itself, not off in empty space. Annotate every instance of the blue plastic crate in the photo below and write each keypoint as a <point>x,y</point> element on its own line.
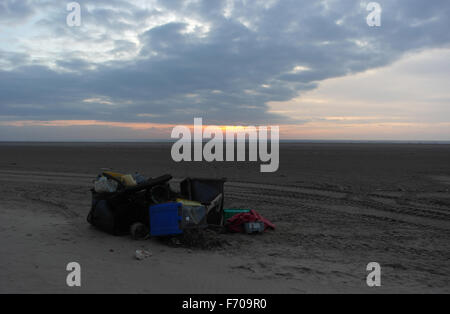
<point>165,219</point>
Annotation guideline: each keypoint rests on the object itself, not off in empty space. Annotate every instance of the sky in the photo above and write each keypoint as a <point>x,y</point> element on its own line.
<point>135,69</point>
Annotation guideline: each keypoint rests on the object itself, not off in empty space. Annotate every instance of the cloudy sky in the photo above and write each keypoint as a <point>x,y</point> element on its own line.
<point>134,69</point>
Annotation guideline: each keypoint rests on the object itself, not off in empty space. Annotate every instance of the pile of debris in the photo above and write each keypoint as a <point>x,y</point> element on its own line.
<point>205,239</point>
<point>151,207</point>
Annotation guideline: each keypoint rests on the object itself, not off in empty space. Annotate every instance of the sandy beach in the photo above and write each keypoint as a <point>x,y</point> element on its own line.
<point>336,207</point>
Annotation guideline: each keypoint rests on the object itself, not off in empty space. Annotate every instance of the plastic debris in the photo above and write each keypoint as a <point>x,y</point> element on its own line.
<point>142,254</point>
<point>128,180</point>
<point>254,227</point>
<point>139,178</point>
<point>104,185</point>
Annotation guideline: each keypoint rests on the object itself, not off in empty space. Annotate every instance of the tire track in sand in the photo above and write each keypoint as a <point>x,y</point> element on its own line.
<point>301,197</point>
<point>322,199</point>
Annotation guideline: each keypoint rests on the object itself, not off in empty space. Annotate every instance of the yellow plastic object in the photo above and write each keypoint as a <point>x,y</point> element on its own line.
<point>115,175</point>
<point>188,202</point>
<point>128,180</point>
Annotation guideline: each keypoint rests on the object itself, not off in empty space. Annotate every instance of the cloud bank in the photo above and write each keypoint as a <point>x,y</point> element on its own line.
<point>170,61</point>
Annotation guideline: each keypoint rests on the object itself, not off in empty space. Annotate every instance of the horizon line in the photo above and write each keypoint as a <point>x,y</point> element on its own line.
<point>131,141</point>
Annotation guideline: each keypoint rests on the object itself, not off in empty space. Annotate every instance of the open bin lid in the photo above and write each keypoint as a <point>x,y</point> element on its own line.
<point>202,190</point>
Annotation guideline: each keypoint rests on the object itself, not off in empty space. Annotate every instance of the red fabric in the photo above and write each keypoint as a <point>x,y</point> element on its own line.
<point>236,223</point>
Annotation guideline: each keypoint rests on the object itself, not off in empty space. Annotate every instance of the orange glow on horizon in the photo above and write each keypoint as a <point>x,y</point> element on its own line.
<point>316,130</point>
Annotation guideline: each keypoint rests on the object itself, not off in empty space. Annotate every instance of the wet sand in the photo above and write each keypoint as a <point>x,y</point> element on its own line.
<point>337,207</point>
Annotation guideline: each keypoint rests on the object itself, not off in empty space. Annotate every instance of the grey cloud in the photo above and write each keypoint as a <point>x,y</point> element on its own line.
<point>230,74</point>
<point>15,11</point>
